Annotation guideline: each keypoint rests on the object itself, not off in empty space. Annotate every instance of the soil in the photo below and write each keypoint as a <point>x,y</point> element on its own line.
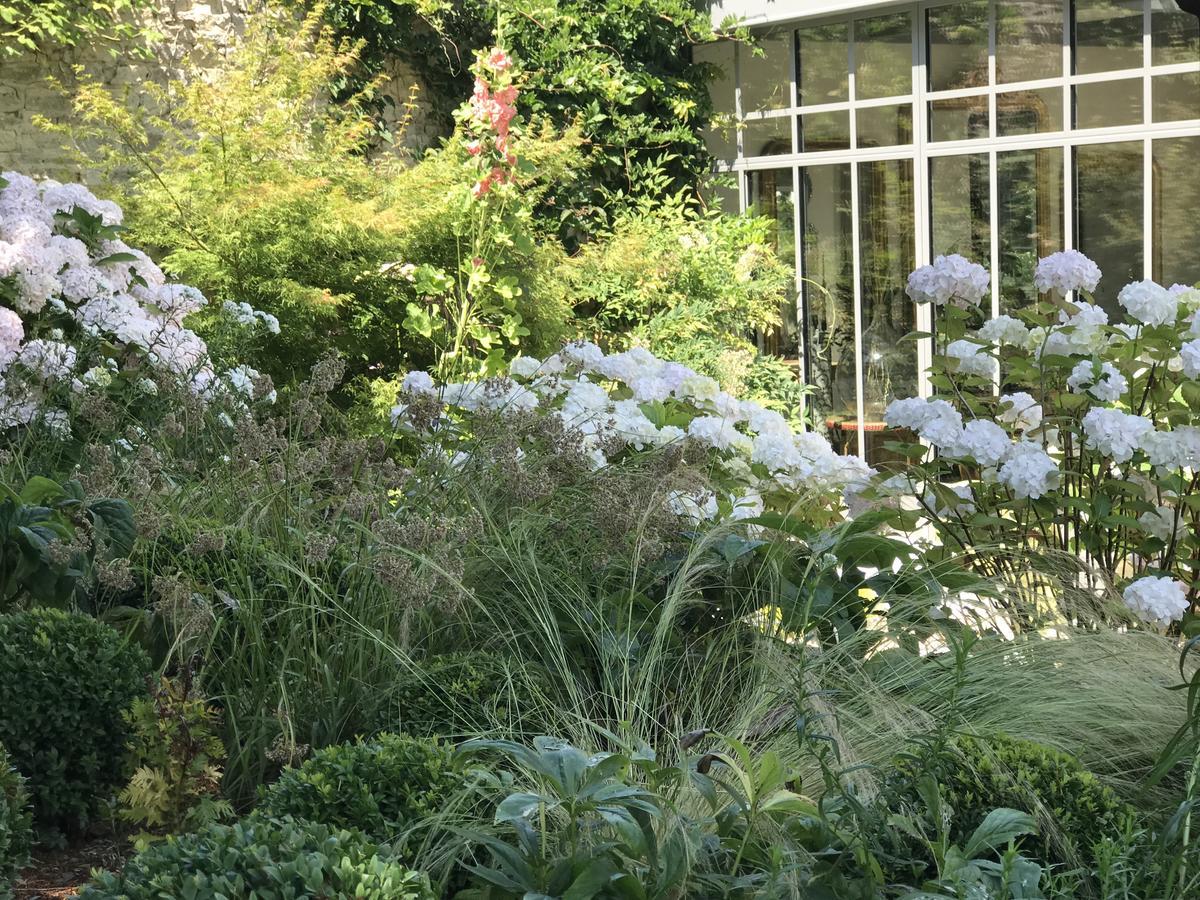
<point>60,873</point>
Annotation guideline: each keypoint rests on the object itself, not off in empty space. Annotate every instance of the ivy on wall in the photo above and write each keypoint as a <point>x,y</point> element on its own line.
<point>28,25</point>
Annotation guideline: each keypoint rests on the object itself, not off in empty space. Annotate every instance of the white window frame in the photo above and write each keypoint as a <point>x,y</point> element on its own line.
<point>922,149</point>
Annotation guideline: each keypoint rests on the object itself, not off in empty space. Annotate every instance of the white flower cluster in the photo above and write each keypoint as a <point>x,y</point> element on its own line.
<point>1066,271</point>
<point>1157,599</point>
<point>949,279</point>
<point>972,359</point>
<point>1101,380</point>
<point>64,279</point>
<point>1115,433</point>
<point>246,315</point>
<point>622,402</point>
<point>1149,303</point>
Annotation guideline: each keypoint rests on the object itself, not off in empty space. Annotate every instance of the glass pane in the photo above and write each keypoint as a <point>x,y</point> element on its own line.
<point>1108,35</point>
<point>1174,35</point>
<point>884,126</point>
<point>883,56</point>
<point>720,136</point>
<point>826,218</point>
<point>1029,112</point>
<point>1029,219</point>
<point>886,240</point>
<point>721,193</point>
<point>1107,103</point>
<point>1029,36</point>
<point>1176,197</point>
<point>959,210</point>
<point>958,119</point>
<point>767,137</point>
<point>771,195</point>
<point>1108,215</point>
<point>824,73</point>
<point>958,46</point>
<point>766,72</point>
<point>825,131</point>
<point>1176,97</point>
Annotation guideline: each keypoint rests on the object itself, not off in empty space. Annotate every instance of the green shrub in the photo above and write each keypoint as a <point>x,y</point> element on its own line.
<point>263,858</point>
<point>1073,808</point>
<point>65,682</point>
<point>16,829</point>
<point>457,695</point>
<point>381,787</point>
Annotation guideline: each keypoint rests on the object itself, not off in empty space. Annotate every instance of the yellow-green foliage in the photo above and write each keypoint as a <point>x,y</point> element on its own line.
<point>177,782</point>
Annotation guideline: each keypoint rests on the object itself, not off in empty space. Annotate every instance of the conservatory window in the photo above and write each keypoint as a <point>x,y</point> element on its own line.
<point>1000,129</point>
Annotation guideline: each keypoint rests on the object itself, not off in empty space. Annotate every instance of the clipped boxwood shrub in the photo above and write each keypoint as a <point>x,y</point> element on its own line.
<point>65,680</point>
<point>16,828</point>
<point>269,859</point>
<point>1074,809</point>
<point>459,695</point>
<point>381,786</point>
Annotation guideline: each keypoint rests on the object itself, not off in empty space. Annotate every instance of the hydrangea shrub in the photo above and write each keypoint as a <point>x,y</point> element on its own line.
<point>631,402</point>
<point>82,312</point>
<point>1059,428</point>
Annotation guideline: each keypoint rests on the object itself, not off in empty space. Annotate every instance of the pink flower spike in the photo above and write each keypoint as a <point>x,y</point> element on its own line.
<point>499,60</point>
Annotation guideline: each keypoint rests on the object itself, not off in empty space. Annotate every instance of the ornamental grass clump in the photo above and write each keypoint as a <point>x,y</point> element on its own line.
<point>1089,449</point>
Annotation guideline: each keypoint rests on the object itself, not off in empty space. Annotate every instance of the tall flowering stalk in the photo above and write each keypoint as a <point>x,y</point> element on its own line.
<point>471,314</point>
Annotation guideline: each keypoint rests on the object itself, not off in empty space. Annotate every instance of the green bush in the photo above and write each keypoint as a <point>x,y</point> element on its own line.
<point>1073,808</point>
<point>16,829</point>
<point>381,787</point>
<point>457,695</point>
<point>267,859</point>
<point>65,682</point>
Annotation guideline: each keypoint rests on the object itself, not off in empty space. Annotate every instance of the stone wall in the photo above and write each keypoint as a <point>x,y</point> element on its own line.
<point>26,87</point>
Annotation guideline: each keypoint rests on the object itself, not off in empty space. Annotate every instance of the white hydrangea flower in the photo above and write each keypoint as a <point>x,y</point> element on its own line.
<point>583,354</point>
<point>1190,355</point>
<point>1004,330</point>
<point>949,279</point>
<point>714,431</point>
<point>1100,380</point>
<point>1030,472</point>
<point>1114,433</point>
<point>985,442</point>
<point>1021,411</point>
<point>49,360</point>
<point>972,359</point>
<point>12,332</point>
<point>524,366</point>
<point>1066,271</point>
<point>963,506</point>
<point>1157,599</point>
<point>934,420</point>
<point>1149,303</point>
<point>417,382</point>
<point>1175,449</point>
<point>1188,296</point>
<point>1160,523</point>
<point>242,379</point>
<point>699,506</point>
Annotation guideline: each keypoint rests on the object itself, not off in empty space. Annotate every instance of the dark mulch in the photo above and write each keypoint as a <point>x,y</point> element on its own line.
<point>60,873</point>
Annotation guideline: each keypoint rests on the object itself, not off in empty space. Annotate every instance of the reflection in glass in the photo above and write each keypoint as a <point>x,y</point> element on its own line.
<point>771,195</point>
<point>883,56</point>
<point>766,79</point>
<point>720,192</point>
<point>1029,112</point>
<point>720,136</point>
<point>1106,103</point>
<point>767,137</point>
<point>1108,214</point>
<point>958,119</point>
<point>829,300</point>
<point>825,131</point>
<point>1174,35</point>
<point>884,126</point>
<point>1176,197</point>
<point>887,240</point>
<point>1175,97</point>
<point>823,75</point>
<point>1029,219</point>
<point>958,205</point>
<point>1108,35</point>
<point>1029,36</point>
<point>958,46</point>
